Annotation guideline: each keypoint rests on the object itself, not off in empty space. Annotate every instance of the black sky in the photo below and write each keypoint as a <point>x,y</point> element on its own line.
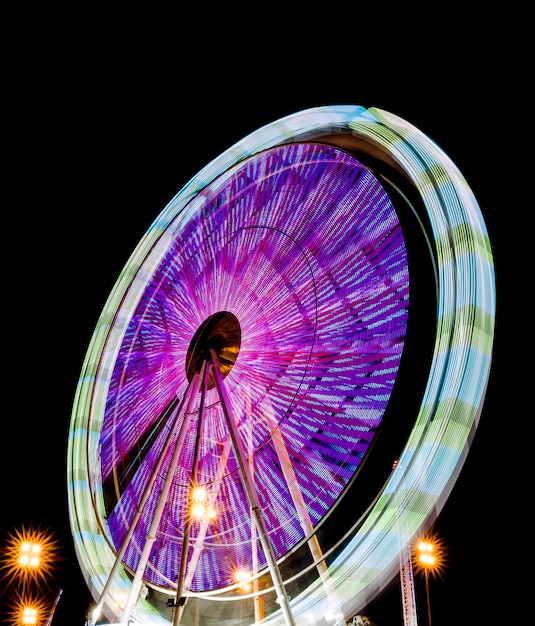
<point>104,126</point>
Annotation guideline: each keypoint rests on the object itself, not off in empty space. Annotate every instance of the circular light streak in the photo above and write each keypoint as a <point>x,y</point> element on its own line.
<point>211,252</point>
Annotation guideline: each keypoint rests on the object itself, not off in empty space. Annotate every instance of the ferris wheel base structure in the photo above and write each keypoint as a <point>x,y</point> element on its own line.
<point>360,142</point>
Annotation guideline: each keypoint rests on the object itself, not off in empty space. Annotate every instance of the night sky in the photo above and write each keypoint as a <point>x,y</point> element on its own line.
<point>101,136</point>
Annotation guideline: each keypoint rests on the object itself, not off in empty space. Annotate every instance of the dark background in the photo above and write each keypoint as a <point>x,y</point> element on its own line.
<point>107,117</point>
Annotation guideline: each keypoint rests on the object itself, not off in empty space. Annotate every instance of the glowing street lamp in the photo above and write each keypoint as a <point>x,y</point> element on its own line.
<point>429,559</point>
<point>27,609</point>
<point>29,615</point>
<point>29,554</point>
<point>27,557</point>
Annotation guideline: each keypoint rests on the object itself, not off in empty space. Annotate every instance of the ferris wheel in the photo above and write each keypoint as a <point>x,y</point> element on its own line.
<point>249,373</point>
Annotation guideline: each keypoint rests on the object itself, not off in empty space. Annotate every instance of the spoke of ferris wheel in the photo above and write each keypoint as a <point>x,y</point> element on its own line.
<point>300,506</point>
<point>155,522</point>
<point>193,484</point>
<point>304,517</point>
<point>298,501</point>
<point>252,495</point>
<point>257,604</point>
<point>139,509</point>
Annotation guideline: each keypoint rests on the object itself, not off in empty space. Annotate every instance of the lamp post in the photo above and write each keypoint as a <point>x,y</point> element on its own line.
<point>427,559</point>
<point>28,557</point>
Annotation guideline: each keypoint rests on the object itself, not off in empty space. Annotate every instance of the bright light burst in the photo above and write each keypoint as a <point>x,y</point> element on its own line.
<point>27,609</point>
<point>243,578</point>
<point>429,555</point>
<point>28,555</point>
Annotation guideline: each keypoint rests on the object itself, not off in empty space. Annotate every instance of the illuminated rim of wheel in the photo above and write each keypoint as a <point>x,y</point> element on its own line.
<point>449,414</point>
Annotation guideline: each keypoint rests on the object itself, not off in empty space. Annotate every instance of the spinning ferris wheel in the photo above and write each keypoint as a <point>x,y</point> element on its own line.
<point>252,367</point>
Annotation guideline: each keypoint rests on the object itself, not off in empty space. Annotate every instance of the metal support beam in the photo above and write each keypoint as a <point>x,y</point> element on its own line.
<point>252,495</point>
<point>180,601</point>
<point>151,536</point>
<point>137,515</point>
